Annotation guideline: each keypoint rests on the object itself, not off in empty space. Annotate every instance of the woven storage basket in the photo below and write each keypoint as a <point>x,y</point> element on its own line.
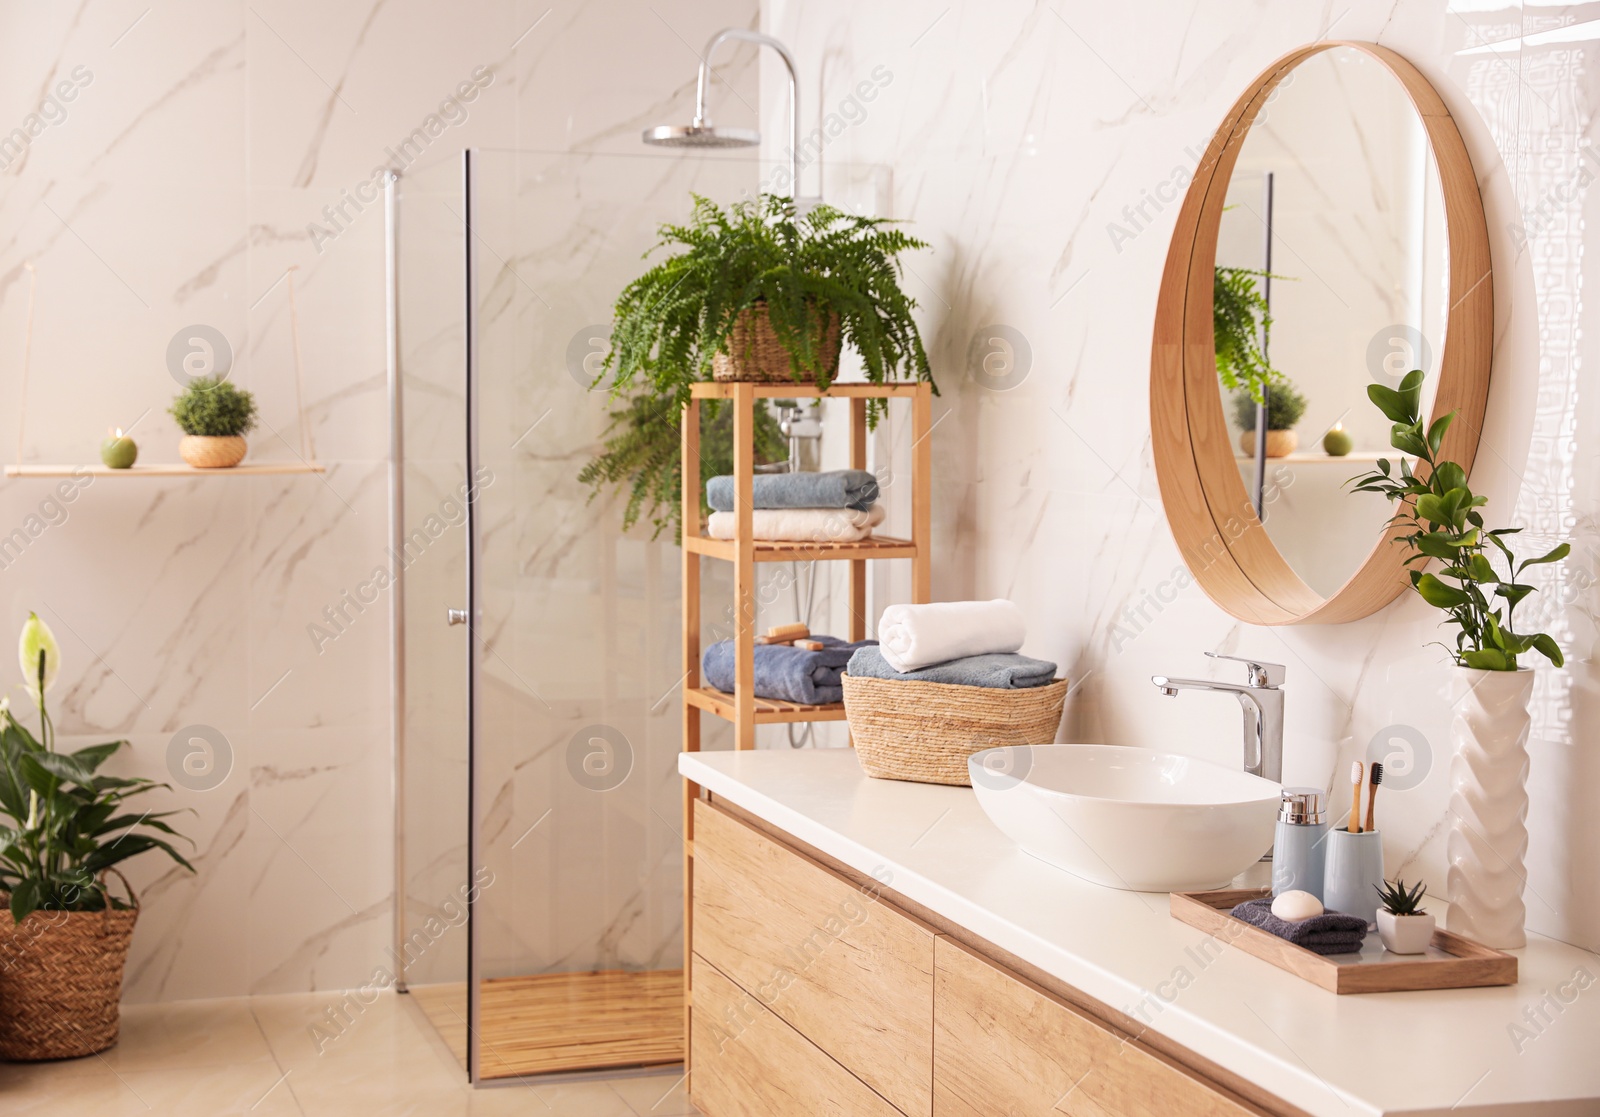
<point>925,731</point>
<point>61,982</point>
<point>212,452</point>
<point>755,353</point>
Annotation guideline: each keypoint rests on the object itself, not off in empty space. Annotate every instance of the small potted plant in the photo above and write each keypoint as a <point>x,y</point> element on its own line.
<point>1403,925</point>
<point>67,824</point>
<point>214,417</point>
<point>1285,406</point>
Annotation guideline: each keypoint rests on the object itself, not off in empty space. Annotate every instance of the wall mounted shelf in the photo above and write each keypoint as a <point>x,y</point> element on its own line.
<point>164,469</point>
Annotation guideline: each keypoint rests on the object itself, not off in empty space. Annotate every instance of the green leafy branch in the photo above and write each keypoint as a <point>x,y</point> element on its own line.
<point>1438,519</point>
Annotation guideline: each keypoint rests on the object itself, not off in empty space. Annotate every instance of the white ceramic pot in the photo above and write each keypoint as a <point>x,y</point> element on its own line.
<point>1488,805</point>
<point>1405,934</point>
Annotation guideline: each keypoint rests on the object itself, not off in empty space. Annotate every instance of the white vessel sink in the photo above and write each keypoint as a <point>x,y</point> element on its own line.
<point>1125,817</point>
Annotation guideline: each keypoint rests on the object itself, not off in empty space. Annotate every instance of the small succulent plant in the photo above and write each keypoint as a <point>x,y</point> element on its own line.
<point>1398,900</point>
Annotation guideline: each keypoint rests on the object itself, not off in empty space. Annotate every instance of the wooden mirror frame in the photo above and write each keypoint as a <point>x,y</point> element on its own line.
<point>1223,543</point>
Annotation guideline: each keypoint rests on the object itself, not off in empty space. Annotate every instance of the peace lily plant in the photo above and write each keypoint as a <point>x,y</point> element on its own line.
<point>66,821</point>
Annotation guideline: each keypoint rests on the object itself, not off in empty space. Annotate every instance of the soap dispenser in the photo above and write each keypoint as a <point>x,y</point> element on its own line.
<point>1297,857</point>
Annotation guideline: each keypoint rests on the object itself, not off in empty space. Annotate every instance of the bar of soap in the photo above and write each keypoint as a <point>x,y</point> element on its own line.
<point>1294,905</point>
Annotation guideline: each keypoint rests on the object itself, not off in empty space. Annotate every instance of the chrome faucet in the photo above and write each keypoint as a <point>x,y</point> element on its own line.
<point>1262,702</point>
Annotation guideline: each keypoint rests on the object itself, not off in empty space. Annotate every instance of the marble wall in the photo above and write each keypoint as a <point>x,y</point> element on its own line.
<point>199,151</point>
<point>1038,146</point>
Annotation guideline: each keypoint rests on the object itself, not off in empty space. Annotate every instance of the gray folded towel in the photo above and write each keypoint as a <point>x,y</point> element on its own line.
<point>790,673</point>
<point>999,670</point>
<point>1332,932</point>
<point>838,488</point>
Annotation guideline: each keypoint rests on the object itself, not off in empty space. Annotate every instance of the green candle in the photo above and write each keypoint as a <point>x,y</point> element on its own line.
<point>118,451</point>
<point>1337,442</point>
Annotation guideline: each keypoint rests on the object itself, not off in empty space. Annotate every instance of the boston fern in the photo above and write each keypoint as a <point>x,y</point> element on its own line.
<point>1440,520</point>
<point>65,822</point>
<point>1240,323</point>
<point>802,269</point>
<point>643,454</point>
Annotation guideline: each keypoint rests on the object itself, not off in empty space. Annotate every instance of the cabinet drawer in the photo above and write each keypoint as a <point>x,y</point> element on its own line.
<point>748,1063</point>
<point>849,972</point>
<point>1002,1046</point>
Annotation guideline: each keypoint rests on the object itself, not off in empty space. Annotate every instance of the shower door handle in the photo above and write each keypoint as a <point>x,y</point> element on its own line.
<point>456,616</point>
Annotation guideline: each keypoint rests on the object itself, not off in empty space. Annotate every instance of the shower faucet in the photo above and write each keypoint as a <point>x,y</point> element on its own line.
<point>702,133</point>
<point>1262,702</point>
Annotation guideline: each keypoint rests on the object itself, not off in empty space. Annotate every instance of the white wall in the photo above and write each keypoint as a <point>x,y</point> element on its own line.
<point>1038,146</point>
<point>176,188</point>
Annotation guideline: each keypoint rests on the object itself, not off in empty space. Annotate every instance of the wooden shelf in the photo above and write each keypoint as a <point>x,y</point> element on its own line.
<point>768,710</point>
<point>872,547</point>
<point>1301,457</point>
<point>163,469</point>
<point>710,389</point>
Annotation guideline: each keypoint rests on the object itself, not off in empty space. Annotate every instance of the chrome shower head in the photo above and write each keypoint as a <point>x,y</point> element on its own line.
<point>700,135</point>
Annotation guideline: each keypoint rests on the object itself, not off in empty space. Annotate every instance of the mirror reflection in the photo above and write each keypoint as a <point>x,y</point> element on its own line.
<point>1332,273</point>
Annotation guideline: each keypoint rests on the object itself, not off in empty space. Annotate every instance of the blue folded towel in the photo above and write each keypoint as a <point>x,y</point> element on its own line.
<point>1002,671</point>
<point>786,672</point>
<point>1332,932</point>
<point>838,488</point>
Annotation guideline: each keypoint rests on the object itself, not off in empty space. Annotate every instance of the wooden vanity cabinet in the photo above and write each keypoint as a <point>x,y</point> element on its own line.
<point>816,995</point>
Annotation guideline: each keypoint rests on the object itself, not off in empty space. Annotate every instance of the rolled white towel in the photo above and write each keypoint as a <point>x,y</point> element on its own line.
<point>800,525</point>
<point>915,636</point>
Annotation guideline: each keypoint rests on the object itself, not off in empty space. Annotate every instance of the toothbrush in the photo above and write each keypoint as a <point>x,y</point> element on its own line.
<point>1372,791</point>
<point>1356,772</point>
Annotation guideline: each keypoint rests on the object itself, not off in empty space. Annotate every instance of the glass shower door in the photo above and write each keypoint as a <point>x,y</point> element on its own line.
<point>433,881</point>
<point>577,930</point>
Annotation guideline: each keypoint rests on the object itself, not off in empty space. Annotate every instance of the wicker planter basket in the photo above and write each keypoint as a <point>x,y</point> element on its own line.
<point>925,731</point>
<point>755,353</point>
<point>61,982</point>
<point>212,451</point>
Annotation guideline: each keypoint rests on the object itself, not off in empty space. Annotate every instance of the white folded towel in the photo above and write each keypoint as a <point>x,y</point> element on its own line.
<point>800,525</point>
<point>912,637</point>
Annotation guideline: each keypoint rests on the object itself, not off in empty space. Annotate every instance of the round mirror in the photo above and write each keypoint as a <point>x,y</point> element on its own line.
<point>1333,237</point>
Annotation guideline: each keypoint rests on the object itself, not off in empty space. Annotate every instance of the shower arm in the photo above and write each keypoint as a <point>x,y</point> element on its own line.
<point>701,120</point>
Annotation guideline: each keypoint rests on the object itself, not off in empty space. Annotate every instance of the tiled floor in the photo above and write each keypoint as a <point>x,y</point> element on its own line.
<point>258,1056</point>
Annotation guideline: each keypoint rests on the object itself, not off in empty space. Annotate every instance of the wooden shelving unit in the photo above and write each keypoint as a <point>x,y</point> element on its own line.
<point>742,707</point>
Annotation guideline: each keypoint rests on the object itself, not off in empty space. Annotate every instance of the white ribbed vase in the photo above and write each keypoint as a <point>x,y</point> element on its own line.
<point>1488,805</point>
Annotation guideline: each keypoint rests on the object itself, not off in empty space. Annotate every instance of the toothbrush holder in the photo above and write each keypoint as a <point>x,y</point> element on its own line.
<point>1352,873</point>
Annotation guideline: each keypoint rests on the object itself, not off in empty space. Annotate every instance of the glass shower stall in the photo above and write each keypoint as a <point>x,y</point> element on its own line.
<point>540,910</point>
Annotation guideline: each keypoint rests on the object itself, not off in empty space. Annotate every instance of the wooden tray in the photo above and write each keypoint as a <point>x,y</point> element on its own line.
<point>1451,962</point>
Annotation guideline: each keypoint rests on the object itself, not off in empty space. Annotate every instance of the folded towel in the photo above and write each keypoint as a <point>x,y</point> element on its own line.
<point>1332,932</point>
<point>839,488</point>
<point>819,525</point>
<point>786,672</point>
<point>916,636</point>
<point>1001,671</point>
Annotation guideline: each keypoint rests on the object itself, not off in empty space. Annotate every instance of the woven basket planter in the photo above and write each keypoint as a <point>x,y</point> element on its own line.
<point>61,982</point>
<point>755,353</point>
<point>924,732</point>
<point>212,452</point>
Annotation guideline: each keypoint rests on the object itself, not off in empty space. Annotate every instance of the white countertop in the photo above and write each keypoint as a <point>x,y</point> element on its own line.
<point>1439,1052</point>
